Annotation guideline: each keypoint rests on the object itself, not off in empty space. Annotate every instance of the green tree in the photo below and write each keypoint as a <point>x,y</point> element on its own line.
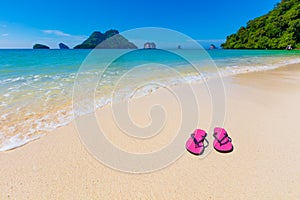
<point>275,30</point>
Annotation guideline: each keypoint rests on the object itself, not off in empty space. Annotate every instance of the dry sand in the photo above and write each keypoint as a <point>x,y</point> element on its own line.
<point>262,118</point>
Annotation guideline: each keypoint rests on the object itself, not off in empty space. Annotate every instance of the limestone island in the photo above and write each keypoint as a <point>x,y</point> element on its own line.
<point>63,46</point>
<point>111,39</point>
<point>149,45</point>
<point>212,46</point>
<point>40,46</point>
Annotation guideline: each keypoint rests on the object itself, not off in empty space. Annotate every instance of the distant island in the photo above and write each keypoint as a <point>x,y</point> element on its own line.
<point>111,39</point>
<point>212,47</point>
<point>276,30</point>
<point>63,46</point>
<point>149,45</point>
<point>40,46</point>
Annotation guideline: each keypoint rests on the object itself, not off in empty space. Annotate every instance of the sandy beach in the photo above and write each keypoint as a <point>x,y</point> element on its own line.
<point>262,118</point>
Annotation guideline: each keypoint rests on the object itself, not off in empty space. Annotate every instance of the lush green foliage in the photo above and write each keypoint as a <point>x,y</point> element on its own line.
<point>111,39</point>
<point>40,46</point>
<point>275,30</point>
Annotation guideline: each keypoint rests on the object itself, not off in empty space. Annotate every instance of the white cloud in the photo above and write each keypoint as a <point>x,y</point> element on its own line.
<point>56,32</point>
<point>3,25</point>
<point>4,34</point>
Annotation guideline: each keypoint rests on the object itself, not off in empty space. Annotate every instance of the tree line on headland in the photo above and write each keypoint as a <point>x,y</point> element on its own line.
<point>276,30</point>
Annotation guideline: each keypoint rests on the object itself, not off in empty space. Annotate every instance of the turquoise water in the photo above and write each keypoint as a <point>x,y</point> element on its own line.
<point>36,85</point>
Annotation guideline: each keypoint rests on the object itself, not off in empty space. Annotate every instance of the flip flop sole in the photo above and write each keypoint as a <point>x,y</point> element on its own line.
<point>190,147</point>
<point>196,154</point>
<point>223,151</point>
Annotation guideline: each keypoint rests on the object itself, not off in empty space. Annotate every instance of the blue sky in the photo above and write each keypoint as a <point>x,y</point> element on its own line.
<point>23,23</point>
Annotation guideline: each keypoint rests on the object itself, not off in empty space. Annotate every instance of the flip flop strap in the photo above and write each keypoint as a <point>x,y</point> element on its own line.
<point>197,143</point>
<point>220,141</point>
<point>207,143</point>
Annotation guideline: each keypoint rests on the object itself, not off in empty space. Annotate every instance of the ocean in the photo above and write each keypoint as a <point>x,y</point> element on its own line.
<point>37,86</point>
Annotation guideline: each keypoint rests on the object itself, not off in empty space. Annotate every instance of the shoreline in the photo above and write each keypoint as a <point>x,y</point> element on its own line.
<point>261,113</point>
<point>192,79</point>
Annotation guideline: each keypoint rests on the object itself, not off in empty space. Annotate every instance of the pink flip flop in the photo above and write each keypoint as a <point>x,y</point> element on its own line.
<point>222,142</point>
<point>195,144</point>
